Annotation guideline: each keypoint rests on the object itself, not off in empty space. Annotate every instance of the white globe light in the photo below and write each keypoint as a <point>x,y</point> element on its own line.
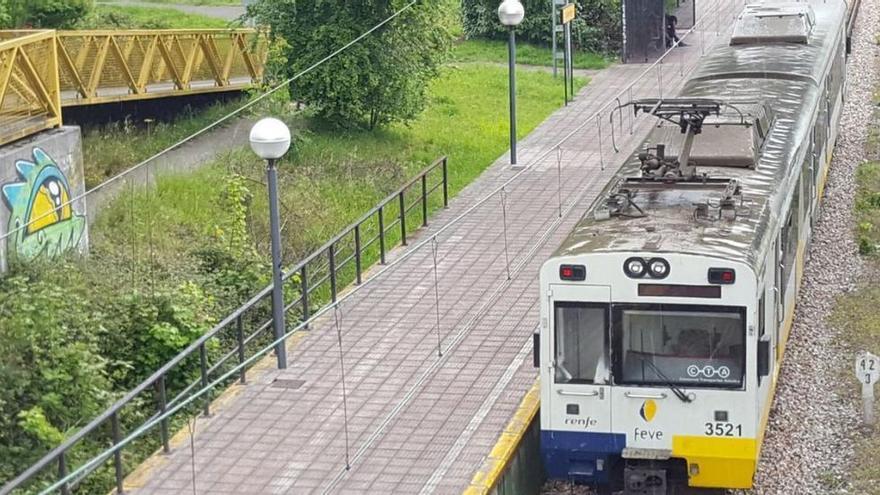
<point>270,138</point>
<point>511,12</point>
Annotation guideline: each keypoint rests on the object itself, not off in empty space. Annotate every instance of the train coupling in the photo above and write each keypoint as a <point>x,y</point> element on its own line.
<point>644,481</point>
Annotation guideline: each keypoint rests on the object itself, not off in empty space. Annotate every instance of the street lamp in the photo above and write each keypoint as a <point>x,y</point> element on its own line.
<point>270,140</point>
<point>511,13</point>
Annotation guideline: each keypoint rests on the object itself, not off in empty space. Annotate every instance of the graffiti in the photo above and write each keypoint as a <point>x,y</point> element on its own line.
<point>41,222</point>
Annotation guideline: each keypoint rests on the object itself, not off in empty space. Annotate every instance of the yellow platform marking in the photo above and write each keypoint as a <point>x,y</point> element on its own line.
<point>489,473</point>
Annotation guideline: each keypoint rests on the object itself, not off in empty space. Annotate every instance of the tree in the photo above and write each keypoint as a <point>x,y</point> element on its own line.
<point>381,79</point>
<point>596,28</point>
<point>63,14</point>
<point>5,16</point>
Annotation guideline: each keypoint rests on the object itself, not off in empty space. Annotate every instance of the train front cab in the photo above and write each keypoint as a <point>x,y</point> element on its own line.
<point>648,372</point>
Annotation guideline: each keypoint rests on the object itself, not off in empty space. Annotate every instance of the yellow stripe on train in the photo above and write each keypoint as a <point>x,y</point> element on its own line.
<point>715,462</point>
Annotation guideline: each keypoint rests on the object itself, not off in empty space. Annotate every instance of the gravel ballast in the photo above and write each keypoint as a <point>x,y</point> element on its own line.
<point>809,444</point>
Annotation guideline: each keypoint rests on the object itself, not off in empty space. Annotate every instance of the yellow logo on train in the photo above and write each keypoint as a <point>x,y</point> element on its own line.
<point>648,410</point>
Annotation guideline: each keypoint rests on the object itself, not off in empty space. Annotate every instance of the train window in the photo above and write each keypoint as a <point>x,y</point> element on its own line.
<point>690,345</point>
<point>581,343</point>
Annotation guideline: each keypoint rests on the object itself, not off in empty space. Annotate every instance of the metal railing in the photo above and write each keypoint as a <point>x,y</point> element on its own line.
<point>43,71</point>
<point>30,94</point>
<point>662,73</point>
<point>315,282</point>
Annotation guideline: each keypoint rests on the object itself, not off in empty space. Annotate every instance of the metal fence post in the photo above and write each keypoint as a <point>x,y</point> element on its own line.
<point>559,178</point>
<point>504,230</point>
<point>425,200</point>
<point>381,235</point>
<point>400,200</point>
<point>203,364</point>
<point>304,284</point>
<point>631,116</point>
<point>445,184</point>
<point>357,252</point>
<point>436,295</point>
<point>344,391</point>
<point>239,330</point>
<point>62,473</point>
<point>660,79</point>
<point>117,456</point>
<point>331,266</point>
<point>163,424</point>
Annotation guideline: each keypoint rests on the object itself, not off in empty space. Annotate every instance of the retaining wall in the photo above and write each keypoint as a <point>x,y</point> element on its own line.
<point>38,176</point>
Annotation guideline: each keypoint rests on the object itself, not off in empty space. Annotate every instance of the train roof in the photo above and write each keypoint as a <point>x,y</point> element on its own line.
<point>747,171</point>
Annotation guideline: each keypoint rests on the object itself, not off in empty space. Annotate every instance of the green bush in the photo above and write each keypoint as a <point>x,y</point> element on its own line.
<point>596,27</point>
<point>61,14</point>
<point>381,79</point>
<point>53,376</point>
<point>5,16</point>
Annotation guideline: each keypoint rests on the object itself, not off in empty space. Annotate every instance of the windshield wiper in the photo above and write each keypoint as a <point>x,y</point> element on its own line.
<point>672,386</point>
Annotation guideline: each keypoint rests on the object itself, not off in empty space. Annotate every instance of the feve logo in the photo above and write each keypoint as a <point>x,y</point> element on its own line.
<point>648,410</point>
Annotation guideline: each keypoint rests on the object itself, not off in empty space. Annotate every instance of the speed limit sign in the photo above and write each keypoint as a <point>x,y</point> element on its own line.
<point>867,368</point>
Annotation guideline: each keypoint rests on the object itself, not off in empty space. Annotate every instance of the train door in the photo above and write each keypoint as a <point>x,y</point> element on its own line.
<point>779,282</point>
<point>815,166</point>
<point>579,345</point>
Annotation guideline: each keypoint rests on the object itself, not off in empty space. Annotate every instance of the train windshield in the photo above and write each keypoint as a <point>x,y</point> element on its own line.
<point>694,346</point>
<point>580,342</point>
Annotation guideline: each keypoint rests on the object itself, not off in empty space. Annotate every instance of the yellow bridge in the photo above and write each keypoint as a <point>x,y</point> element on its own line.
<point>43,71</point>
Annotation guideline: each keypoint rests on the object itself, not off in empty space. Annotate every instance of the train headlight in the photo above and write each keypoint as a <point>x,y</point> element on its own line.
<point>658,268</point>
<point>634,267</point>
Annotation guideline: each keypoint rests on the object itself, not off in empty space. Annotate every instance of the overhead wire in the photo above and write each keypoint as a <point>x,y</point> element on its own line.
<point>221,120</point>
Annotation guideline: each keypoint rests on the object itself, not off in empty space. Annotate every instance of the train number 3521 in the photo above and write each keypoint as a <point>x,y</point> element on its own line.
<point>723,430</point>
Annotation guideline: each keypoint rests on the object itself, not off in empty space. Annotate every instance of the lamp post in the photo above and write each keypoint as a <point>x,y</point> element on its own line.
<point>270,140</point>
<point>511,14</point>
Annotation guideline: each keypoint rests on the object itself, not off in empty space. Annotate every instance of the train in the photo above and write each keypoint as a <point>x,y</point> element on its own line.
<point>666,310</point>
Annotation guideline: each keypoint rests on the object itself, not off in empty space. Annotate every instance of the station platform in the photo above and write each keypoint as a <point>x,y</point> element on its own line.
<point>420,421</point>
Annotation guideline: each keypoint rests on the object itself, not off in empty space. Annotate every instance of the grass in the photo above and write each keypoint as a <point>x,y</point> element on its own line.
<point>128,17</point>
<point>111,148</point>
<point>526,54</point>
<point>857,315</point>
<point>867,208</point>
<point>332,177</point>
